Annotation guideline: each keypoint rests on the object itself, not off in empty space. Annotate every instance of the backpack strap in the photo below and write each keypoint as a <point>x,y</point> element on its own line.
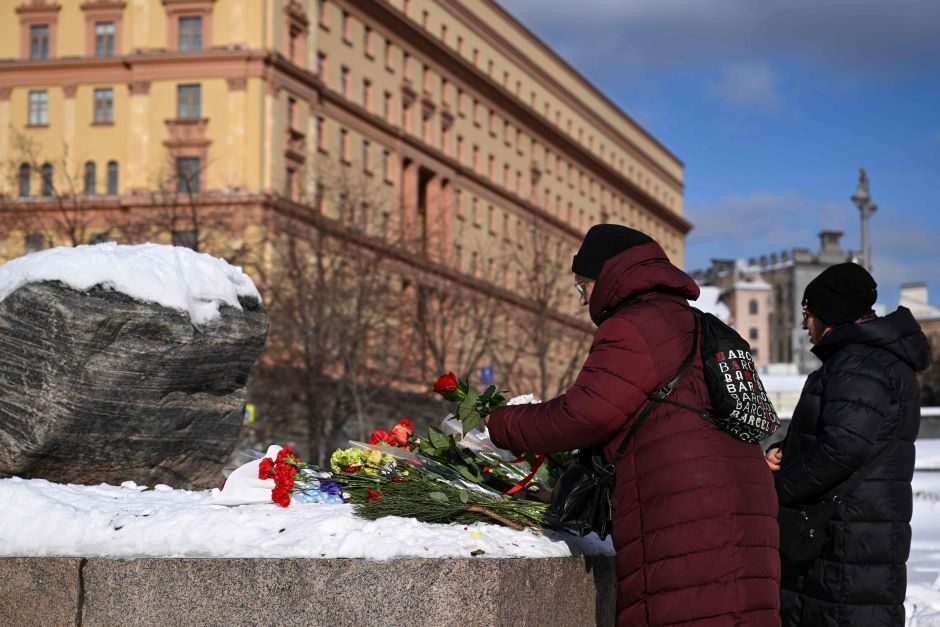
<point>662,393</point>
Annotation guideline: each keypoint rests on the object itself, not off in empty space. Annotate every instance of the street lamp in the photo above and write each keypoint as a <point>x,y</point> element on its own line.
<point>862,200</point>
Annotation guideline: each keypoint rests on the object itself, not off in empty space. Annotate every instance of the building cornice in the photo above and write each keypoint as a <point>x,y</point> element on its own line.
<point>485,31</point>
<point>449,63</point>
<point>523,60</point>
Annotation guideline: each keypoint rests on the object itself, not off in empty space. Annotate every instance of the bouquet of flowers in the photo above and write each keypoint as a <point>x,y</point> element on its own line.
<point>292,476</point>
<point>452,474</point>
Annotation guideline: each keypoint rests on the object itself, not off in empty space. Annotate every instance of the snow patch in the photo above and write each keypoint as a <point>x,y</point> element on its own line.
<point>172,276</point>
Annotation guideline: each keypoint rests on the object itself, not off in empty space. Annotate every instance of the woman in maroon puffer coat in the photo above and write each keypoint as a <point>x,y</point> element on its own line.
<point>694,509</point>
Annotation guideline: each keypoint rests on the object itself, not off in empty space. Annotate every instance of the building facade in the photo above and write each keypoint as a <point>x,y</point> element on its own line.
<point>475,130</point>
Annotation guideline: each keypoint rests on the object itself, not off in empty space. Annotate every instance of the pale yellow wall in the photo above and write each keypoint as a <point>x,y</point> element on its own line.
<point>247,127</point>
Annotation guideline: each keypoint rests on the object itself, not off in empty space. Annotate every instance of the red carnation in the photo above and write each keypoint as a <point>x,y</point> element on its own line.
<point>284,452</point>
<point>264,470</point>
<point>374,495</point>
<point>407,424</point>
<point>284,475</point>
<point>352,469</point>
<point>281,496</point>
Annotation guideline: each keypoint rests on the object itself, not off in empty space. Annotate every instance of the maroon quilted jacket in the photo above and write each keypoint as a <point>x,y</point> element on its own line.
<point>694,512</point>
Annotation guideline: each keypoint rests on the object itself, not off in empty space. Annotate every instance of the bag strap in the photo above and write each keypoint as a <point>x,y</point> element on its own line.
<point>856,479</point>
<point>660,395</point>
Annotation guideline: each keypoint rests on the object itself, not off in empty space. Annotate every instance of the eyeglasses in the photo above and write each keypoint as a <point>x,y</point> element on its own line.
<point>582,290</point>
<point>806,315</point>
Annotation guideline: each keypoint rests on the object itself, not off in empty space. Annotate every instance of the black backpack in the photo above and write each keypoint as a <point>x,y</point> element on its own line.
<point>739,403</point>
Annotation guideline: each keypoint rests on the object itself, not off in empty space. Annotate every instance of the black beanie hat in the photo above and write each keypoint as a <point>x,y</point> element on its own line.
<point>841,293</point>
<point>602,242</point>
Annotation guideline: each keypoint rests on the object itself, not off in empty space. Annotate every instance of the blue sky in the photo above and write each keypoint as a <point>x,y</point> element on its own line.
<point>773,105</point>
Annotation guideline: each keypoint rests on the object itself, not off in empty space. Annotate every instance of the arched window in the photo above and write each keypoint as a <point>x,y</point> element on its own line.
<point>23,179</point>
<point>90,176</point>
<point>112,177</point>
<point>47,187</point>
<point>752,306</point>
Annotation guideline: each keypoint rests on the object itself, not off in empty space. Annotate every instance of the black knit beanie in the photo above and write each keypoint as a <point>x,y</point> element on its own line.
<point>602,242</point>
<point>841,293</point>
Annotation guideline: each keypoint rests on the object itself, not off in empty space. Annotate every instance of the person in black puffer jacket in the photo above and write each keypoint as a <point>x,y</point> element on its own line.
<point>864,396</point>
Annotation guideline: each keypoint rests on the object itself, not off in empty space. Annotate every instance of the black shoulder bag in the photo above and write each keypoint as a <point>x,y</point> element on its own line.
<point>581,499</point>
<point>804,529</point>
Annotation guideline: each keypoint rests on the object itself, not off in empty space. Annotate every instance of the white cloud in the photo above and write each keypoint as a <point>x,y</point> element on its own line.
<point>748,86</point>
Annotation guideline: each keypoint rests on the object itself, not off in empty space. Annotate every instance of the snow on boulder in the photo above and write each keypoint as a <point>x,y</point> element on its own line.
<point>124,362</point>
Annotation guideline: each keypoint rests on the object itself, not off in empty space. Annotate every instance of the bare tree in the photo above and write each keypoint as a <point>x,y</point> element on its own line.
<point>67,212</point>
<point>332,292</point>
<point>553,344</point>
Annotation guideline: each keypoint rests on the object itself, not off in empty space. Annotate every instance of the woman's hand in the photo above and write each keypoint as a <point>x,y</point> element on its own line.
<point>773,458</point>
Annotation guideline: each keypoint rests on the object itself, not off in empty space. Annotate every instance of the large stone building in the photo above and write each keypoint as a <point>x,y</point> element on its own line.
<point>770,288</point>
<point>477,131</point>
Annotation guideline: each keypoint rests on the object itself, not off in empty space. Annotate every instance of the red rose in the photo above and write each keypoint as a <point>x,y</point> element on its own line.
<point>446,385</point>
<point>281,496</point>
<point>374,495</point>
<point>264,470</point>
<point>351,470</point>
<point>378,436</point>
<point>398,436</point>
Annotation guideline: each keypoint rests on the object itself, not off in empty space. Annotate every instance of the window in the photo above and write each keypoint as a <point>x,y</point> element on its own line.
<point>321,134</point>
<point>752,333</point>
<point>344,82</point>
<point>290,183</point>
<point>39,108</point>
<point>39,42</point>
<point>344,27</point>
<point>48,189</point>
<point>292,113</point>
<point>104,106</point>
<point>189,102</point>
<point>104,39</point>
<point>367,42</point>
<point>752,307</point>
<point>389,56</point>
<point>387,165</point>
<point>321,65</point>
<point>190,34</point>
<point>187,239</point>
<point>321,14</point>
<point>90,175</point>
<point>35,242</point>
<point>367,95</point>
<point>344,145</point>
<point>388,107</point>
<point>187,174</point>
<point>366,157</point>
<point>23,180</point>
<point>112,177</point>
